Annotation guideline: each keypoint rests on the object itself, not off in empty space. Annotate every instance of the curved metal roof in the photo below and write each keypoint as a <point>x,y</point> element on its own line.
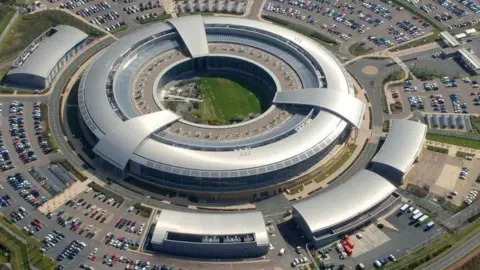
<point>341,104</point>
<point>286,151</point>
<point>210,224</point>
<point>49,51</point>
<point>344,202</point>
<point>92,91</point>
<point>403,143</point>
<point>118,145</point>
<point>311,139</point>
<point>192,31</point>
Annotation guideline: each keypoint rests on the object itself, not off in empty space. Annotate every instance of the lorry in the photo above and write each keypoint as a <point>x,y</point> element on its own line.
<point>404,207</point>
<point>422,219</point>
<point>348,250</point>
<point>417,216</point>
<point>349,242</point>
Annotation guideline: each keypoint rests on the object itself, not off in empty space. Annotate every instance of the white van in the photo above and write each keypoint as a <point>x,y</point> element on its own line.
<point>282,251</point>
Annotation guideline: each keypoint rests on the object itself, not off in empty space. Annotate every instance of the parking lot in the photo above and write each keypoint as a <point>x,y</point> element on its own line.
<point>442,174</point>
<point>377,24</point>
<point>229,6</point>
<point>453,13</point>
<point>20,130</point>
<point>448,96</point>
<point>396,236</point>
<point>112,14</point>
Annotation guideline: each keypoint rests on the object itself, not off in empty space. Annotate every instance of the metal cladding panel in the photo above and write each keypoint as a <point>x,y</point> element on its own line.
<point>95,79</point>
<point>312,134</point>
<point>403,143</point>
<point>344,202</point>
<point>339,103</point>
<point>211,224</point>
<point>50,50</point>
<point>337,77</point>
<point>119,144</point>
<point>192,31</point>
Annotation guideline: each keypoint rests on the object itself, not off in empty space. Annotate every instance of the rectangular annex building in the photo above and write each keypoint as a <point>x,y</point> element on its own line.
<point>400,151</point>
<point>38,64</point>
<point>211,235</point>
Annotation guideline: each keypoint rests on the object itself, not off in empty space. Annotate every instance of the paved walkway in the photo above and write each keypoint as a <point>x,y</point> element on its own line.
<point>363,134</point>
<point>68,194</point>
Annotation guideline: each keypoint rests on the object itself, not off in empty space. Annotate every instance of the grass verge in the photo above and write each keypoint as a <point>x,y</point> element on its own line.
<point>426,74</point>
<point>475,120</point>
<point>464,154</point>
<point>413,9</point>
<point>29,26</point>
<point>386,126</point>
<point>334,164</point>
<point>107,193</point>
<point>437,149</point>
<point>72,169</point>
<point>423,256</point>
<point>46,127</point>
<point>31,253</point>
<point>470,143</point>
<point>419,42</point>
<point>6,14</point>
<point>144,211</point>
<point>317,36</point>
<point>394,76</point>
<point>18,255</point>
<point>358,49</point>
<point>160,17</point>
<point>120,29</point>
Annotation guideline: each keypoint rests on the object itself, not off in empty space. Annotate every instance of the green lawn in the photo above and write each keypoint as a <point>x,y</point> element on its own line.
<point>225,100</point>
<point>6,14</point>
<point>470,143</point>
<point>46,124</point>
<point>28,27</point>
<point>358,49</point>
<point>426,255</point>
<point>19,257</point>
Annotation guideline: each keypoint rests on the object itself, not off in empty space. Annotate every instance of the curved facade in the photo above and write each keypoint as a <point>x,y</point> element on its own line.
<point>293,135</point>
<point>38,64</point>
<point>367,194</point>
<point>400,150</point>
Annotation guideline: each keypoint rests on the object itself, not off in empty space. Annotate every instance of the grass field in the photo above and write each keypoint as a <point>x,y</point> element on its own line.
<point>6,14</point>
<point>20,255</point>
<point>470,143</point>
<point>28,27</point>
<point>225,100</point>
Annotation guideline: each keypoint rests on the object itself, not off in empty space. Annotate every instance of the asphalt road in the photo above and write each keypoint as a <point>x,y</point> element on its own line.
<point>456,254</point>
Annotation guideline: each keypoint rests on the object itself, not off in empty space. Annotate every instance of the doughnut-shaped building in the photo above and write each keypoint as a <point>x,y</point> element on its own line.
<point>312,108</point>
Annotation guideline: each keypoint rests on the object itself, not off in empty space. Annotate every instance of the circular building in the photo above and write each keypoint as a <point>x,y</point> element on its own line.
<point>167,104</point>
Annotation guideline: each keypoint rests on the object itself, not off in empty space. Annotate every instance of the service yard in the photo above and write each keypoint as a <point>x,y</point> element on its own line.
<point>374,24</point>
<point>442,173</point>
<point>396,236</point>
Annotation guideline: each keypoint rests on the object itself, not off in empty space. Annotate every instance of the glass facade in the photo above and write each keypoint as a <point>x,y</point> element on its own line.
<point>220,183</point>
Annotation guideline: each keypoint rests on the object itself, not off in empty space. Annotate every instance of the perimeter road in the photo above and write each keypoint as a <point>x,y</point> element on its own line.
<point>457,254</point>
